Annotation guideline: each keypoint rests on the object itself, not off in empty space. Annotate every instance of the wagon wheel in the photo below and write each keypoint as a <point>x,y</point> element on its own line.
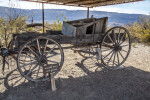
<point>88,51</point>
<point>39,56</point>
<point>115,47</point>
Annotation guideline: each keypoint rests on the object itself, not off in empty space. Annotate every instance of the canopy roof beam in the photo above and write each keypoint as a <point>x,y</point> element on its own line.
<point>84,3</point>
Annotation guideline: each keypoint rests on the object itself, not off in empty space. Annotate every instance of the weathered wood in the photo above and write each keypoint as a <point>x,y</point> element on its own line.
<point>84,3</point>
<point>76,32</point>
<point>88,12</point>
<point>78,24</point>
<point>34,24</point>
<point>85,26</point>
<point>62,39</point>
<point>68,29</point>
<point>53,85</point>
<point>43,15</point>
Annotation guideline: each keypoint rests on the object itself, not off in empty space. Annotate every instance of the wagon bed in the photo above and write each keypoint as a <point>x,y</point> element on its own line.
<point>75,32</point>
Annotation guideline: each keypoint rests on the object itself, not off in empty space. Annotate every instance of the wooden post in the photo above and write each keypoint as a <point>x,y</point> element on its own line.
<point>87,12</point>
<point>43,15</point>
<point>53,85</point>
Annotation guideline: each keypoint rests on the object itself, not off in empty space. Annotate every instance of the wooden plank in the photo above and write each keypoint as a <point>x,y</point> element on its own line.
<point>78,24</point>
<point>43,16</point>
<point>62,39</point>
<point>68,29</point>
<point>53,85</point>
<point>88,12</point>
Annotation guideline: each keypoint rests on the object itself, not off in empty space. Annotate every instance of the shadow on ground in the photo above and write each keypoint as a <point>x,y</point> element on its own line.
<point>122,84</point>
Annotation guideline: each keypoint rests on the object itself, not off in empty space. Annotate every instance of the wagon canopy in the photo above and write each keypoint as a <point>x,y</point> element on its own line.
<point>84,3</point>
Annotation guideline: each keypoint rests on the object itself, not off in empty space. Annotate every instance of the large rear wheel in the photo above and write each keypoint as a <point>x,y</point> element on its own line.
<point>115,47</point>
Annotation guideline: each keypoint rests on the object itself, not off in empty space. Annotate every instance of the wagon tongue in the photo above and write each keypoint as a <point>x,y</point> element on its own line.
<point>4,52</point>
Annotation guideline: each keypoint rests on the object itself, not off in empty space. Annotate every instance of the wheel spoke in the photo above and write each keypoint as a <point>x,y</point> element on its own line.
<point>32,51</point>
<point>108,54</point>
<point>50,50</point>
<point>118,58</point>
<point>114,36</point>
<point>114,58</point>
<point>110,38</point>
<point>53,55</point>
<point>29,63</point>
<point>38,72</point>
<point>123,41</point>
<point>121,54</point>
<point>122,38</point>
<point>38,46</point>
<point>119,36</point>
<point>111,46</point>
<point>45,46</point>
<point>124,45</point>
<point>110,58</point>
<point>32,69</point>
<point>125,51</point>
<point>53,61</point>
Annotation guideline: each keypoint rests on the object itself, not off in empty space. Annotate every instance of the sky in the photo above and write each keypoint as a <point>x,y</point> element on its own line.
<point>141,7</point>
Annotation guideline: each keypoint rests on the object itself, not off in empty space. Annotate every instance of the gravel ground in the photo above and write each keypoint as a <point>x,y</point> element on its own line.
<point>83,79</point>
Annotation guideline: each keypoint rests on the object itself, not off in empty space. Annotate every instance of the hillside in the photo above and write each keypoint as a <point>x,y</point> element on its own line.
<point>50,15</point>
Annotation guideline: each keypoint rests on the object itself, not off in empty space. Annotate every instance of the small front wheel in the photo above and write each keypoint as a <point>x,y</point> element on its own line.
<point>39,57</point>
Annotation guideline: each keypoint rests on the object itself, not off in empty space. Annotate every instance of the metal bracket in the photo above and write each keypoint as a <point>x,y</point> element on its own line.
<point>99,53</point>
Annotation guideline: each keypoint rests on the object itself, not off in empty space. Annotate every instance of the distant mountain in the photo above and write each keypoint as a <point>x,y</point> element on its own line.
<point>50,15</point>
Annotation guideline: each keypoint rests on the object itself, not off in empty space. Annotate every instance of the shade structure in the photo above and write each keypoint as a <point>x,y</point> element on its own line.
<point>81,3</point>
<point>84,3</point>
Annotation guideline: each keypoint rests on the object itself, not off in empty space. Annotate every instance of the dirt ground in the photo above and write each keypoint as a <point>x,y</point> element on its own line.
<point>84,79</point>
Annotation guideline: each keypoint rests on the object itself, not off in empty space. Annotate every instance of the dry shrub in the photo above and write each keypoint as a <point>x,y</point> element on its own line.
<point>140,31</point>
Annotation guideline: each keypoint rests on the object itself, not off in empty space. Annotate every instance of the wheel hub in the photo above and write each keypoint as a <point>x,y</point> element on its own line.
<point>117,48</point>
<point>42,60</point>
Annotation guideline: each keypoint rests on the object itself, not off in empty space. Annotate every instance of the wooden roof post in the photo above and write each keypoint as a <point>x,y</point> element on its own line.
<point>43,15</point>
<point>87,12</point>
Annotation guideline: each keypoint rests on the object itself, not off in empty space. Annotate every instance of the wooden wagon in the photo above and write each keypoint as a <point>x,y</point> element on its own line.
<point>41,55</point>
